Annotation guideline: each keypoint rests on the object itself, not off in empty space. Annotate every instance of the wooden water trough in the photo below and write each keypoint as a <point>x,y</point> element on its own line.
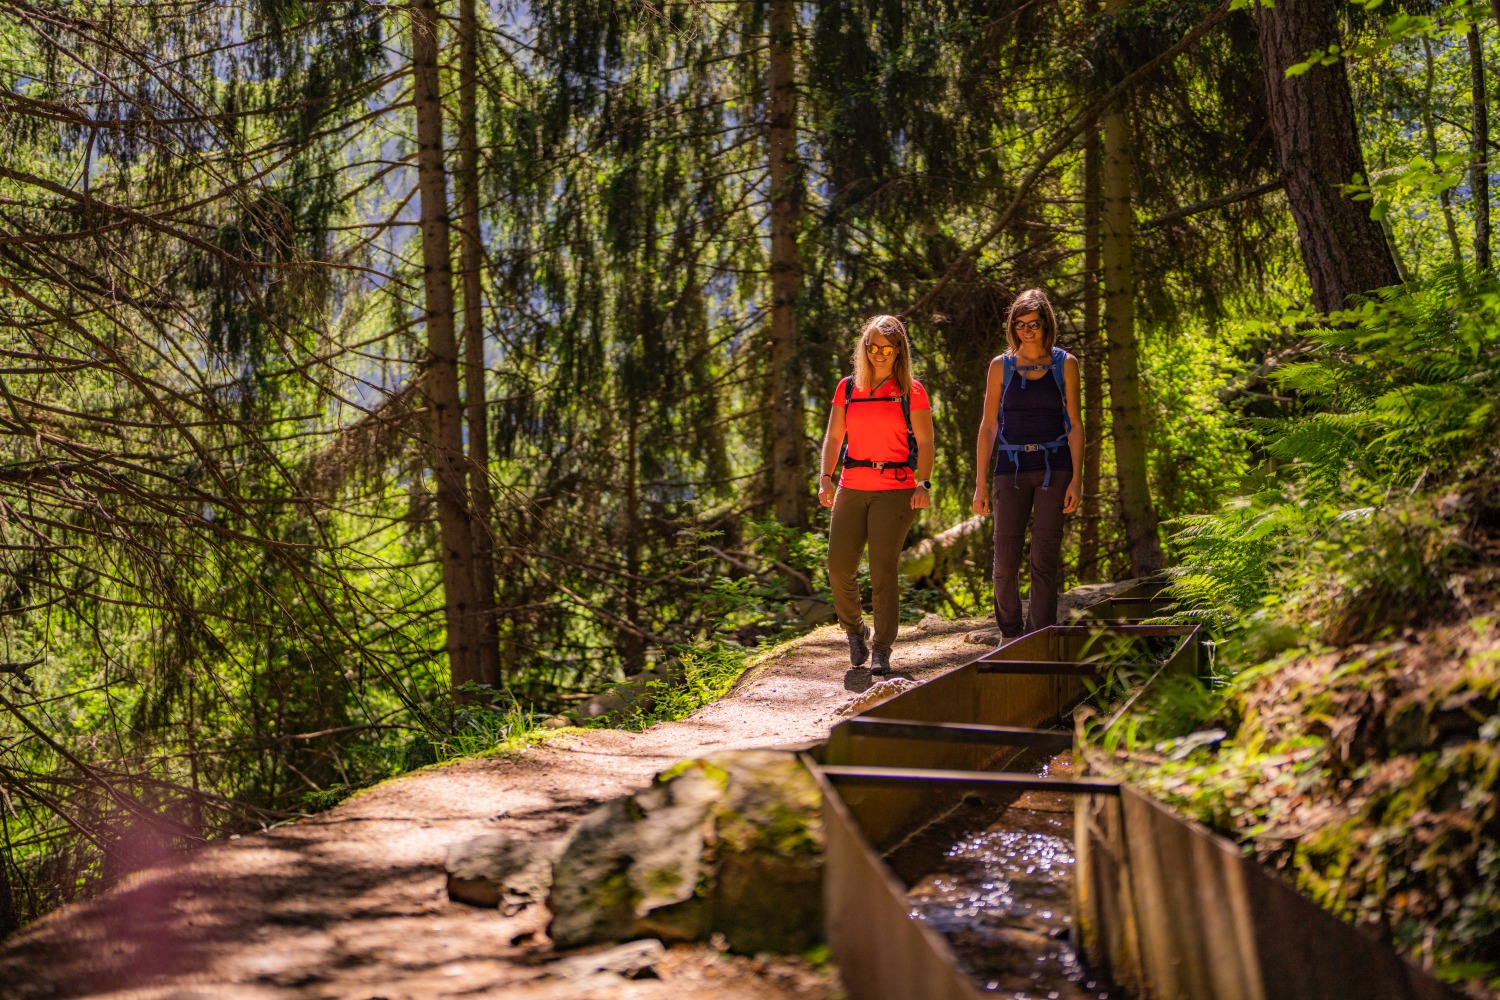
<point>1165,908</point>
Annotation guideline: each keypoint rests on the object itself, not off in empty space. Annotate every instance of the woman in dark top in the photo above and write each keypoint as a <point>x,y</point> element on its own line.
<point>1031,438</point>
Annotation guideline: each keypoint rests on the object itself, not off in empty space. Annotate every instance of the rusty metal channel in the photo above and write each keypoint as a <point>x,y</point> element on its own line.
<point>1166,908</point>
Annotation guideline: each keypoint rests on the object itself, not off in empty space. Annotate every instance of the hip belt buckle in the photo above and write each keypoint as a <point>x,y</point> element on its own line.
<point>1033,447</point>
<point>880,466</point>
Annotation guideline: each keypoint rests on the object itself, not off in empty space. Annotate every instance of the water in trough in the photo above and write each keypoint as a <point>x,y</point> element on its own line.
<point>996,878</point>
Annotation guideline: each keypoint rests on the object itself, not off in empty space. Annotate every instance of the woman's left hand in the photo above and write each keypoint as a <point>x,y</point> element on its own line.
<point>1072,496</point>
<point>919,498</point>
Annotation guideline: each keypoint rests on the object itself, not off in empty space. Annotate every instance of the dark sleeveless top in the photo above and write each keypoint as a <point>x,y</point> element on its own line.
<point>1031,412</point>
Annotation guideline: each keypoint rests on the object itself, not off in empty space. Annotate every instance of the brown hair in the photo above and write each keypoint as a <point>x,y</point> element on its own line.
<point>1033,300</point>
<point>864,372</point>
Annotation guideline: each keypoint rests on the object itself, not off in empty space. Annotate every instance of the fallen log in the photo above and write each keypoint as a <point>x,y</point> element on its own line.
<point>935,558</point>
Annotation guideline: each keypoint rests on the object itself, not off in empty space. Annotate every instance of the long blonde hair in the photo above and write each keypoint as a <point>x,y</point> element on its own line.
<point>1033,300</point>
<point>895,330</point>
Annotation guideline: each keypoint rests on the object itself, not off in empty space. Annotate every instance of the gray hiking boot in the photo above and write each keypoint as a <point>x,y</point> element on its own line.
<point>859,646</point>
<point>880,661</point>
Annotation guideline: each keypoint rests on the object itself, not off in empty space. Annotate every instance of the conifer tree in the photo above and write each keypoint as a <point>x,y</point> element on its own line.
<point>450,465</point>
<point>1127,419</point>
<point>1317,146</point>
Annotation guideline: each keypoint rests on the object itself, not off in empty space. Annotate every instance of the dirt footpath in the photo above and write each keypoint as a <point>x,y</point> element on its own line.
<point>351,903</point>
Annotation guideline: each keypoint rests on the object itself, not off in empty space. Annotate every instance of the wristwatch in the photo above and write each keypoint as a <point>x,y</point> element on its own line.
<point>926,484</point>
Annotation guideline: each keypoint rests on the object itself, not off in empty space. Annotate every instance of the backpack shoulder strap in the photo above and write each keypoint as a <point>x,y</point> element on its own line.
<point>911,435</point>
<point>1008,368</point>
<point>846,387</point>
<point>1059,362</point>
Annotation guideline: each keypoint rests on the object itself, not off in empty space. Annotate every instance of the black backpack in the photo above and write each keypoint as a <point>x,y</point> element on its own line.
<point>910,464</point>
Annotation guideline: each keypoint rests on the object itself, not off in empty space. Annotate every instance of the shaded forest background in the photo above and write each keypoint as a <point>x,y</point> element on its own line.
<point>381,380</point>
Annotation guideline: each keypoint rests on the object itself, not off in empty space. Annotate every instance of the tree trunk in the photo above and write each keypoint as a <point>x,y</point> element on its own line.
<point>1092,365</point>
<point>1479,168</point>
<point>789,481</point>
<point>1445,197</point>
<point>476,406</point>
<point>8,919</point>
<point>445,412</point>
<point>631,640</point>
<point>1117,259</point>
<point>1317,146</point>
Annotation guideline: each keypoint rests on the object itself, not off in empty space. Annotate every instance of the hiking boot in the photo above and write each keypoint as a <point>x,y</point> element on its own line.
<point>880,661</point>
<point>859,646</point>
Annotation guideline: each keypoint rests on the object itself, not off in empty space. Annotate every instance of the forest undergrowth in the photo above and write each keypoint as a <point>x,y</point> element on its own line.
<point>1347,735</point>
<point>384,383</point>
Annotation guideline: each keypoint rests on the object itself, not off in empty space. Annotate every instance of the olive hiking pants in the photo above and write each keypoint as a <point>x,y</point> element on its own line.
<point>879,518</point>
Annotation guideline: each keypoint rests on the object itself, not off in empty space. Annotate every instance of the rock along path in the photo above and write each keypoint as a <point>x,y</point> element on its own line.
<point>351,903</point>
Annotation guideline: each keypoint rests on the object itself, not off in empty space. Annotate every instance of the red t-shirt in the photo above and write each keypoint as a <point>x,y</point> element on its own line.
<point>877,433</point>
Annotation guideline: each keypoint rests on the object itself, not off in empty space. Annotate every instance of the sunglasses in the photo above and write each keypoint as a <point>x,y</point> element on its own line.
<point>880,350</point>
<point>1027,325</point>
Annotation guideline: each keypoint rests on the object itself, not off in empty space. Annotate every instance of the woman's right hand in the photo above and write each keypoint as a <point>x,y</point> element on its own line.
<point>825,491</point>
<point>981,500</point>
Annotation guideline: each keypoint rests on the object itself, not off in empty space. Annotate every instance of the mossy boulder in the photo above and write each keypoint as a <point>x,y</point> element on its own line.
<point>729,844</point>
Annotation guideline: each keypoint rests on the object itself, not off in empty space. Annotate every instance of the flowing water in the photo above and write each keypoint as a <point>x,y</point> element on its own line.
<point>1000,888</point>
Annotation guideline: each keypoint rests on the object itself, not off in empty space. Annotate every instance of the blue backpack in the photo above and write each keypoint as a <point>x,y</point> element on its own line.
<point>1049,448</point>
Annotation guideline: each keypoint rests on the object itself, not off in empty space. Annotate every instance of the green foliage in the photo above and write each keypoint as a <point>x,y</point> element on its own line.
<point>216,503</point>
<point>1198,454</point>
<point>1394,396</point>
<point>709,669</point>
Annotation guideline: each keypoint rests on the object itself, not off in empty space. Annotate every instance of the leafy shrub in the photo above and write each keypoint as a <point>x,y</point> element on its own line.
<point>1396,396</point>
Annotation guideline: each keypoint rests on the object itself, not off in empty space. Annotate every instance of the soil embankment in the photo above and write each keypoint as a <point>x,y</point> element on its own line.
<point>351,903</point>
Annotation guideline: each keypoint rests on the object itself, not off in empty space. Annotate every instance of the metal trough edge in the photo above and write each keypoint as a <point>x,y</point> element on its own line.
<point>1052,740</point>
<point>1017,780</point>
<point>1170,910</point>
<point>881,952</point>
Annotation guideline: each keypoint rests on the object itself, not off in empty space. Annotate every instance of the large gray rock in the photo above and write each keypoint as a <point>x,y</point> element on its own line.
<point>730,843</point>
<point>495,870</point>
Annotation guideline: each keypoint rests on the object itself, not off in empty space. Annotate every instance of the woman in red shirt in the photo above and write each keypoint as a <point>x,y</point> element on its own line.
<point>884,482</point>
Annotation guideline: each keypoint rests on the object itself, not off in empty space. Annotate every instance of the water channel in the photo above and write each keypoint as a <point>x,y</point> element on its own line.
<point>996,878</point>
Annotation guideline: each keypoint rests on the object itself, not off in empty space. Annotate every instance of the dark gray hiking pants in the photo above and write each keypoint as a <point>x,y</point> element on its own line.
<point>1014,498</point>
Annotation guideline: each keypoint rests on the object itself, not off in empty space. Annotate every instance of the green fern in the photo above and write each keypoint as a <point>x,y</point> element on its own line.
<point>1398,394</point>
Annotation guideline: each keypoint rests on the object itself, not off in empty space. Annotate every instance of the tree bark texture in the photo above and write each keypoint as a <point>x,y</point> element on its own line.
<point>1091,363</point>
<point>631,639</point>
<point>1445,197</point>
<point>1317,146</point>
<point>1118,264</point>
<point>789,480</point>
<point>476,407</point>
<point>8,919</point>
<point>1479,167</point>
<point>445,412</point>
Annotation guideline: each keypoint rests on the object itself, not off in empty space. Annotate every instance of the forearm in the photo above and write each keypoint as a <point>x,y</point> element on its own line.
<point>830,454</point>
<point>1075,446</point>
<point>982,450</point>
